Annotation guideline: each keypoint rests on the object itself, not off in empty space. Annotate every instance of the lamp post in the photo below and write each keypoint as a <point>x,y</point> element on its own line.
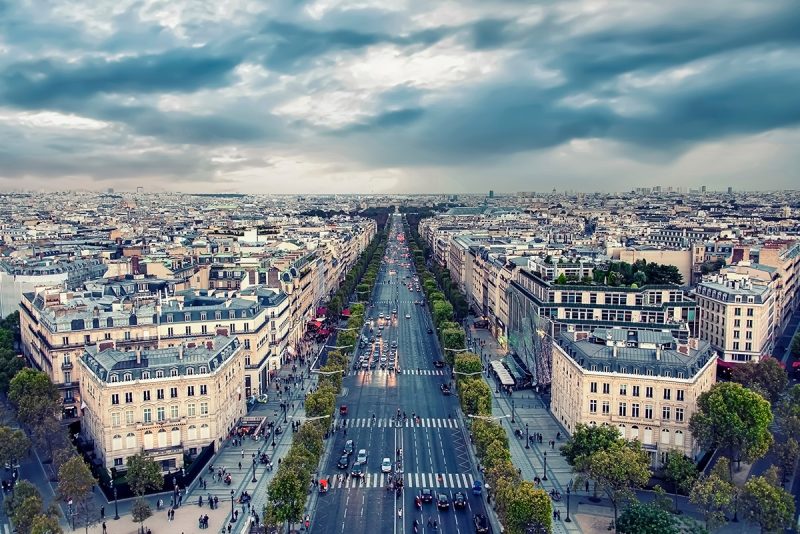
<point>512,411</point>
<point>568,520</point>
<point>527,437</point>
<point>232,492</point>
<point>544,476</point>
<point>116,506</point>
<point>254,471</point>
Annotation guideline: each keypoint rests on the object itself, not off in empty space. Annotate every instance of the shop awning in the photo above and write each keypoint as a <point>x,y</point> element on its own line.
<point>346,312</point>
<point>726,365</point>
<point>512,368</point>
<point>322,311</point>
<point>314,324</point>
<point>502,373</point>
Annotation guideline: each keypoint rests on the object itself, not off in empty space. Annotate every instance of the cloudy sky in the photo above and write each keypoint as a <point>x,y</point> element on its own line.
<point>380,96</point>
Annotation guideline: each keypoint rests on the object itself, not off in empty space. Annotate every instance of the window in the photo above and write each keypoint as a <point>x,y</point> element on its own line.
<point>750,312</point>
<point>593,387</point>
<point>127,377</point>
<point>115,419</point>
<point>679,394</point>
<point>665,413</point>
<point>173,411</point>
<point>679,415</point>
<point>665,436</point>
<point>170,332</point>
<point>161,413</point>
<point>190,391</point>
<point>635,391</point>
<point>159,374</point>
<point>203,408</point>
<point>145,375</point>
<point>606,388</point>
<point>190,409</point>
<point>648,411</point>
<point>173,372</point>
<point>187,330</point>
<point>623,409</point>
<point>623,389</point>
<point>117,462</point>
<point>147,414</point>
<point>173,393</point>
<point>129,397</point>
<point>160,394</point>
<point>592,406</point>
<point>648,392</point>
<point>115,398</point>
<point>635,409</point>
<point>203,390</point>
<point>737,311</point>
<point>203,329</point>
<point>736,334</point>
<point>606,408</point>
<point>128,417</point>
<point>114,378</point>
<point>735,345</point>
<point>667,393</point>
<point>146,395</point>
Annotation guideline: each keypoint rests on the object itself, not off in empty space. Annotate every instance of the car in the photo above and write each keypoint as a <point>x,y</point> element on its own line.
<point>391,365</point>
<point>344,462</point>
<point>430,330</point>
<point>357,470</point>
<point>445,389</point>
<point>379,334</point>
<point>438,364</point>
<point>408,316</point>
<point>374,364</point>
<point>477,488</point>
<point>394,344</point>
<point>362,456</point>
<point>383,359</point>
<point>386,466</point>
<point>459,500</point>
<point>426,495</point>
<point>481,523</point>
<point>343,410</point>
<point>365,364</point>
<point>380,315</point>
<point>394,312</point>
<point>442,502</point>
<point>349,447</point>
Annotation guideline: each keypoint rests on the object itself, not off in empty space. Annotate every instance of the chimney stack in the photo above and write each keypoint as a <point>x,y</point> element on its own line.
<point>181,348</point>
<point>658,353</point>
<point>614,350</point>
<point>138,356</point>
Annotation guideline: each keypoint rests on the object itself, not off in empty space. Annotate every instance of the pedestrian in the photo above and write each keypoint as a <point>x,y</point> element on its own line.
<point>169,514</point>
<point>104,527</point>
<point>102,512</point>
<point>240,466</point>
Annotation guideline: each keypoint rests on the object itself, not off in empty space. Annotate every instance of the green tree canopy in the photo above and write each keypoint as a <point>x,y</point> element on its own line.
<point>680,472</point>
<point>642,518</point>
<point>735,419</point>
<point>714,494</point>
<point>766,377</point>
<point>764,502</point>
<point>525,505</point>
<point>586,440</point>
<point>143,474</point>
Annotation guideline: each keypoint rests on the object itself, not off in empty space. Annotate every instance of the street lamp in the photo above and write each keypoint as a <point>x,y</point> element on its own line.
<point>254,470</point>
<point>527,437</point>
<point>544,477</point>
<point>512,410</point>
<point>232,506</point>
<point>568,520</point>
<point>116,507</point>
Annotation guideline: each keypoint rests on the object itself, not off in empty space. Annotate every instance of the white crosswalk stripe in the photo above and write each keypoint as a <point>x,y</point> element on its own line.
<point>385,422</point>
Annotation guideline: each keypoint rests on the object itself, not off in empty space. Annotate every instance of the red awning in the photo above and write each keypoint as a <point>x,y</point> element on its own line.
<point>346,312</point>
<point>726,365</point>
<point>322,311</point>
<point>314,324</point>
<point>324,332</point>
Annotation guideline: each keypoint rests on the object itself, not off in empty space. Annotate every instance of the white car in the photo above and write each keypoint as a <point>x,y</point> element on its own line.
<point>361,458</point>
<point>408,316</point>
<point>386,466</point>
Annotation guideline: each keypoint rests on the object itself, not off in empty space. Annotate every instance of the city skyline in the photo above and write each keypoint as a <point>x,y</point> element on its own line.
<point>328,97</point>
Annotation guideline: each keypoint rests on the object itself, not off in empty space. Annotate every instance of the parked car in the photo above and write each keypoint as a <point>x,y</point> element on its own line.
<point>481,523</point>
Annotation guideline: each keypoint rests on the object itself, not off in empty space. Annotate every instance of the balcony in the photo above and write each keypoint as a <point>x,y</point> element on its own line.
<point>66,366</point>
<point>68,385</point>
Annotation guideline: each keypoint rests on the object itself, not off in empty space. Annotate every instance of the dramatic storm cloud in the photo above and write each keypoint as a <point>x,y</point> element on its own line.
<point>404,96</point>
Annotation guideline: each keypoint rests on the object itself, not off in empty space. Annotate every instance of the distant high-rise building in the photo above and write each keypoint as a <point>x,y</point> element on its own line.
<point>730,190</point>
<point>140,190</point>
<point>703,189</point>
<point>491,193</point>
<point>110,190</point>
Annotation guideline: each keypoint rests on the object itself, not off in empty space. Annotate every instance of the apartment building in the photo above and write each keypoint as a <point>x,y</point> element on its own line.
<point>57,325</point>
<point>164,402</point>
<point>644,383</point>
<point>736,316</point>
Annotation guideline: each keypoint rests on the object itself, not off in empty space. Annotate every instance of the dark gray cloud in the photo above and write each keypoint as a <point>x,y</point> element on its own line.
<point>656,80</point>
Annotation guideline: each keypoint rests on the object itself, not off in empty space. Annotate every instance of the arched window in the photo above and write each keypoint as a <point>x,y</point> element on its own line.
<point>634,433</point>
<point>175,437</point>
<point>679,438</point>
<point>205,431</point>
<point>190,370</point>
<point>113,378</point>
<point>116,442</point>
<point>173,372</point>
<point>148,439</point>
<point>133,320</point>
<point>130,440</point>
<point>621,429</point>
<point>191,433</point>
<point>159,374</point>
<point>110,322</point>
<point>648,436</point>
<point>202,370</point>
<point>665,436</point>
<point>127,377</point>
<point>162,438</point>
<point>145,375</point>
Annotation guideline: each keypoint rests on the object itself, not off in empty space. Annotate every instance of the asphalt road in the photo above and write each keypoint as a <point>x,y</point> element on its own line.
<point>434,448</point>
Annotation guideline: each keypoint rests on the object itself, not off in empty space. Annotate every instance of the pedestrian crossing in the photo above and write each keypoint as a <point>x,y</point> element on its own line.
<point>380,422</point>
<point>426,372</point>
<point>410,481</point>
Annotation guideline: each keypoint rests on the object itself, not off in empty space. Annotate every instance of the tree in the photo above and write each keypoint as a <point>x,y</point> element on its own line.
<point>788,413</point>
<point>287,496</point>
<point>14,445</point>
<point>26,512</point>
<point>680,472</point>
<point>786,452</point>
<point>467,363</point>
<point>795,346</point>
<point>714,494</point>
<point>642,518</point>
<point>46,524</point>
<point>561,280</point>
<point>735,419</point>
<point>475,396</point>
<point>143,475</point>
<point>332,377</point>
<point>321,402</point>
<point>766,377</point>
<point>767,504</point>
<point>141,511</point>
<point>618,470</point>
<point>75,483</point>
<point>525,505</point>
<point>585,441</point>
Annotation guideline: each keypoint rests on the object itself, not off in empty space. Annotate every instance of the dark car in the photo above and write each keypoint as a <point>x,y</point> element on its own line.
<point>438,364</point>
<point>344,462</point>
<point>357,470</point>
<point>426,495</point>
<point>459,500</point>
<point>442,502</point>
<point>430,330</point>
<point>445,389</point>
<point>481,523</point>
